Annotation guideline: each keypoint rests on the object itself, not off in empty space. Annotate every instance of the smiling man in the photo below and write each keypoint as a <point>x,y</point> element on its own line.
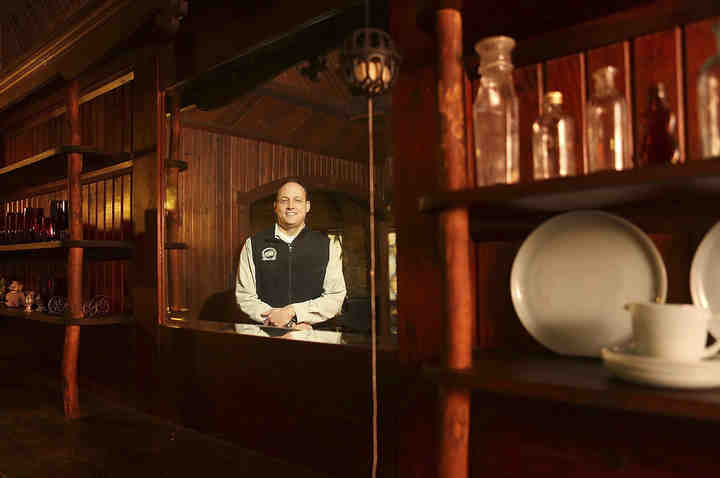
<point>290,276</point>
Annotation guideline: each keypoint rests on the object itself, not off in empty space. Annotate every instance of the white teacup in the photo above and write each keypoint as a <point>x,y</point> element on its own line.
<point>673,331</point>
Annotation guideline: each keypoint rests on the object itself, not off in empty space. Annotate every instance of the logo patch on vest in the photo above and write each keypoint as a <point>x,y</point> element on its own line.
<point>269,254</point>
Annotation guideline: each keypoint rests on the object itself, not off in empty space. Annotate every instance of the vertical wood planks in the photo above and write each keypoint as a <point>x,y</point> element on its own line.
<point>219,167</point>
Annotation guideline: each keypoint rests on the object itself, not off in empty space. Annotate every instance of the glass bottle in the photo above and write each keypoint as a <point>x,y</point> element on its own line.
<point>607,124</point>
<point>495,114</point>
<point>709,102</point>
<point>553,140</point>
<point>658,144</point>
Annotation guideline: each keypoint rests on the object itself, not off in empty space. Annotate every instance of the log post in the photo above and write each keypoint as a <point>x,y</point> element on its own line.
<point>455,242</point>
<point>172,210</point>
<point>75,258</point>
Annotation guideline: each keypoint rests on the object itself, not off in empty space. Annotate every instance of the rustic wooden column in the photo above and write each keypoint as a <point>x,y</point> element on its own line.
<point>454,401</point>
<point>75,258</point>
<point>175,291</point>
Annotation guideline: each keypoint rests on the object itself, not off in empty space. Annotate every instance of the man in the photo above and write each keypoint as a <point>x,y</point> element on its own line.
<point>290,276</point>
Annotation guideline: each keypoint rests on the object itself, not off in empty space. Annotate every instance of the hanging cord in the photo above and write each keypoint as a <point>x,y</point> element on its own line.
<point>373,313</point>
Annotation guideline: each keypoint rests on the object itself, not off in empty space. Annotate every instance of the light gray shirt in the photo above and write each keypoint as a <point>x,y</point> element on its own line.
<point>311,311</point>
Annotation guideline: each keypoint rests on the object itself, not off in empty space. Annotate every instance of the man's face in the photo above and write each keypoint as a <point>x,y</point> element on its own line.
<point>291,205</point>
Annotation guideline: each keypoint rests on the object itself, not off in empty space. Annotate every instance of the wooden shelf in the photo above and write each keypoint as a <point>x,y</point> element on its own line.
<point>508,211</point>
<point>51,165</point>
<point>93,250</point>
<point>116,319</point>
<point>578,381</point>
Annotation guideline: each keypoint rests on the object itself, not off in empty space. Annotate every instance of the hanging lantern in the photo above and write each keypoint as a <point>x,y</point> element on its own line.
<point>370,66</point>
<point>370,62</point>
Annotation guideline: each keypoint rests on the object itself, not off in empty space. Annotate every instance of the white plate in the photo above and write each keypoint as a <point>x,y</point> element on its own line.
<point>705,272</point>
<point>627,365</point>
<point>573,275</point>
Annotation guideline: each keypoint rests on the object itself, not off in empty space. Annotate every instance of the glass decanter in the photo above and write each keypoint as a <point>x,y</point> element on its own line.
<point>553,140</point>
<point>608,129</point>
<point>495,114</point>
<point>709,102</point>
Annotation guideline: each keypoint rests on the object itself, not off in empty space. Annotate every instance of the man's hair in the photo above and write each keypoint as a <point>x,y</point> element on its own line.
<point>292,180</point>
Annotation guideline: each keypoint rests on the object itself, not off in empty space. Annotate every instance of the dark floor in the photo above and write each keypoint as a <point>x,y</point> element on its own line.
<point>37,442</point>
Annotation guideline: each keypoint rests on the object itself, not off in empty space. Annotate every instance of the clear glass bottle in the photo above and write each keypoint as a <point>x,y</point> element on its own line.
<point>553,140</point>
<point>658,143</point>
<point>709,102</point>
<point>495,114</point>
<point>607,124</point>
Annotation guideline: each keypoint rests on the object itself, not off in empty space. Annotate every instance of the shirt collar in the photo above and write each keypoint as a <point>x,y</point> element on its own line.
<point>280,234</point>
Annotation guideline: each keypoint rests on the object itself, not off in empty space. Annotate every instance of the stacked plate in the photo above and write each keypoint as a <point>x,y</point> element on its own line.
<point>626,364</point>
<point>573,276</point>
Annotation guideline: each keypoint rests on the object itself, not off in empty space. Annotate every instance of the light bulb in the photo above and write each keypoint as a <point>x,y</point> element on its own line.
<point>373,71</point>
<point>386,75</point>
<point>360,70</point>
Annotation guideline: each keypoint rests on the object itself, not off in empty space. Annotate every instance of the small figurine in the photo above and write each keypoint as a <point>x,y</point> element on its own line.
<point>29,300</point>
<point>16,297</point>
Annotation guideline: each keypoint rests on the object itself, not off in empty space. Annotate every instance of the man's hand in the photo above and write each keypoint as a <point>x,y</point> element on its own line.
<point>279,317</point>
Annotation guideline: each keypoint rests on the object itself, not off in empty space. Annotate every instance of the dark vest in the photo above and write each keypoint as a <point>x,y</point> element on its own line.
<point>289,273</point>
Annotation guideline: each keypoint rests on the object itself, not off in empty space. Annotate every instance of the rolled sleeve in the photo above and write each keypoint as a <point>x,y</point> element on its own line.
<point>246,288</point>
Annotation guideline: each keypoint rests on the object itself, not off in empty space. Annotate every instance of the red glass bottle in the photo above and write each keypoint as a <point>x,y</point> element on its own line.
<point>658,143</point>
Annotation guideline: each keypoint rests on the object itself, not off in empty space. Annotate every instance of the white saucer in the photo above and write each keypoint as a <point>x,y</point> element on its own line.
<point>573,275</point>
<point>657,372</point>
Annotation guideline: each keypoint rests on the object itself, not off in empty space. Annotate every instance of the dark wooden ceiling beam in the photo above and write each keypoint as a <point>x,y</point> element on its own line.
<point>82,43</point>
<point>296,98</point>
<point>259,64</point>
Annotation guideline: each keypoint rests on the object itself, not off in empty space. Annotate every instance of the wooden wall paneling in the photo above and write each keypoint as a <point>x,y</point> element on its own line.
<point>117,267</point>
<point>498,324</point>
<point>226,200</point>
<point>215,225</point>
<point>655,61</point>
<point>219,240</point>
<point>677,253</point>
<point>107,234</point>
<point>92,230</point>
<point>241,162</point>
<point>414,126</point>
<point>195,163</point>
<point>529,88</point>
<point>184,199</point>
<point>568,75</point>
<point>203,206</point>
<point>699,46</point>
<point>126,206</point>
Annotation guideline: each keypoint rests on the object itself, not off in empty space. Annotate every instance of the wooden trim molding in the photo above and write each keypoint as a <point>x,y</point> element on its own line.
<point>44,63</point>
